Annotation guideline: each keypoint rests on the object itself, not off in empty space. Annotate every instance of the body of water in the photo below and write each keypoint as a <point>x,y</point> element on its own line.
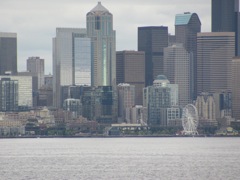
<point>120,158</point>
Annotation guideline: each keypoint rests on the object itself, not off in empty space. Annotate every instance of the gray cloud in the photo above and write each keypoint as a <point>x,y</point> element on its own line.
<point>35,21</point>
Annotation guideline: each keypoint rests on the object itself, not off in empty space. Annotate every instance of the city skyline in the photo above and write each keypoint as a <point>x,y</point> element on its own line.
<point>34,39</point>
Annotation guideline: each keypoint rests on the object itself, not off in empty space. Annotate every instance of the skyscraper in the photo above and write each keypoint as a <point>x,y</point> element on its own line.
<point>131,70</point>
<point>103,55</point>
<point>236,88</point>
<point>8,94</point>
<point>187,25</point>
<point>126,99</point>
<point>71,60</point>
<point>177,69</point>
<point>152,40</point>
<point>226,18</point>
<point>36,65</point>
<point>157,99</point>
<point>214,56</point>
<point>25,91</point>
<point>8,53</point>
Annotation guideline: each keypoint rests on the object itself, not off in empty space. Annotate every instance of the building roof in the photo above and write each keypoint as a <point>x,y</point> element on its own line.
<point>183,19</point>
<point>161,80</point>
<point>99,8</point>
<point>161,77</point>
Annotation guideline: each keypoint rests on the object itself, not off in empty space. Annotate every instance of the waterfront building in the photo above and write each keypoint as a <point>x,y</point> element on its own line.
<point>214,57</point>
<point>8,53</point>
<point>71,60</point>
<point>137,115</point>
<point>35,65</point>
<point>131,70</point>
<point>187,25</point>
<point>157,99</point>
<point>236,88</point>
<point>25,91</point>
<point>173,116</point>
<point>103,46</point>
<point>226,18</point>
<point>206,108</point>
<point>126,99</point>
<point>152,40</point>
<point>177,69</point>
<point>8,95</point>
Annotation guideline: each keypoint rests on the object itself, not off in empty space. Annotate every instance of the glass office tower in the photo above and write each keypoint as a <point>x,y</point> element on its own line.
<point>71,60</point>
<point>103,57</point>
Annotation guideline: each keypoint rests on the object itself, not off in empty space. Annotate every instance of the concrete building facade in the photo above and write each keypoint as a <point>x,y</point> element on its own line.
<point>187,25</point>
<point>236,88</point>
<point>177,70</point>
<point>214,57</point>
<point>131,70</point>
<point>126,99</point>
<point>36,65</point>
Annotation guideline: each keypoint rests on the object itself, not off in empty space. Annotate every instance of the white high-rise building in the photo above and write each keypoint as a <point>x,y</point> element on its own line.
<point>100,30</point>
<point>71,60</point>
<point>177,69</point>
<point>36,65</point>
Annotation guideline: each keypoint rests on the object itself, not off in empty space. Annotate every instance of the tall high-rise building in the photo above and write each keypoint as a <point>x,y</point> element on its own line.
<point>8,53</point>
<point>226,18</point>
<point>36,65</point>
<point>187,25</point>
<point>131,69</point>
<point>8,94</point>
<point>177,69</point>
<point>236,88</point>
<point>71,60</point>
<point>214,56</point>
<point>157,99</point>
<point>103,57</point>
<point>25,91</point>
<point>126,99</point>
<point>152,40</point>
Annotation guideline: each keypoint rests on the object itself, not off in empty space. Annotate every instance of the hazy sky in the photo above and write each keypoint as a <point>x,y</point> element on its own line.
<point>35,21</point>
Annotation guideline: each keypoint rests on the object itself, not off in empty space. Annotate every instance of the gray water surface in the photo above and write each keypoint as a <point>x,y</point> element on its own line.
<point>120,158</point>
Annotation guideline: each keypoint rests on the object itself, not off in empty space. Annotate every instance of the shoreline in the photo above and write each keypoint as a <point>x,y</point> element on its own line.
<point>91,136</point>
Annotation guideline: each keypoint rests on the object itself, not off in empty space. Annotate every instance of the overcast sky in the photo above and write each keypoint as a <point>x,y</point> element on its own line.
<point>35,21</point>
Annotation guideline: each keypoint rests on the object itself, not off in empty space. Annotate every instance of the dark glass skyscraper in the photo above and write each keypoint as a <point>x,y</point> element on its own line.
<point>187,25</point>
<point>152,40</point>
<point>8,53</point>
<point>226,18</point>
<point>8,95</point>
